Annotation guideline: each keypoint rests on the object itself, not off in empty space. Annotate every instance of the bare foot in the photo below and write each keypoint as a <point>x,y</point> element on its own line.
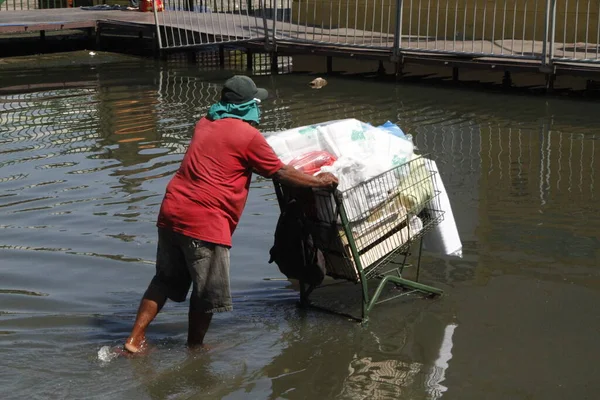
<point>196,348</point>
<point>136,345</point>
<point>122,352</point>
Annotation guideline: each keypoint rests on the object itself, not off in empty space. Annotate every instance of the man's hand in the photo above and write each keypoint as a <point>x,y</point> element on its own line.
<point>328,180</point>
<point>290,176</point>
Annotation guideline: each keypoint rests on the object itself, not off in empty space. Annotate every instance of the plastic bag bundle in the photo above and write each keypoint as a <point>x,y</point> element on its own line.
<point>382,148</point>
<point>351,173</point>
<point>296,142</point>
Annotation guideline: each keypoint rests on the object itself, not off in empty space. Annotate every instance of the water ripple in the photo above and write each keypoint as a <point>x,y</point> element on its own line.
<point>83,170</point>
<point>23,292</point>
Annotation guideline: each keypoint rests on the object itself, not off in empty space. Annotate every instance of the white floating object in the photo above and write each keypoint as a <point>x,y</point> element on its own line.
<point>318,83</point>
<point>92,53</point>
<point>444,238</point>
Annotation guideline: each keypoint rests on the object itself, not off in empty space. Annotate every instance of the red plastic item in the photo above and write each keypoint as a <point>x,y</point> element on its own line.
<point>148,5</point>
<point>311,163</point>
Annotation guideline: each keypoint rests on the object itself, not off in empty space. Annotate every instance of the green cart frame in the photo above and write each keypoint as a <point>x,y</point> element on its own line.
<point>365,233</point>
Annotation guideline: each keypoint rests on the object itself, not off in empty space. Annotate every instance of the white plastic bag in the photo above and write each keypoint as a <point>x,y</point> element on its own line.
<point>364,153</point>
<point>351,173</point>
<point>377,147</point>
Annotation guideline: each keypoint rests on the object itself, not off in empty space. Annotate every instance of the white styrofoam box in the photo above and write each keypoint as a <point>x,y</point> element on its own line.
<point>295,142</point>
<point>444,238</point>
<point>393,149</point>
<point>342,138</point>
<point>279,145</point>
<point>346,138</point>
<point>377,148</point>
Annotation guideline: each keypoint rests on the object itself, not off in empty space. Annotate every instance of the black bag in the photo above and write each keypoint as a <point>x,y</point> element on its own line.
<point>293,250</point>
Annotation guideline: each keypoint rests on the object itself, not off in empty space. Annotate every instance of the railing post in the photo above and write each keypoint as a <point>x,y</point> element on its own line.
<point>274,33</point>
<point>397,31</point>
<point>552,33</point>
<point>263,9</point>
<point>158,35</point>
<point>549,33</point>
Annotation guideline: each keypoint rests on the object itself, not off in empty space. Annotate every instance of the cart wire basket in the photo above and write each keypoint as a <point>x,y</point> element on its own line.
<point>365,233</point>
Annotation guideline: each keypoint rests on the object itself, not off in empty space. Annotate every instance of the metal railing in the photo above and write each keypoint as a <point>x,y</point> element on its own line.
<point>478,27</point>
<point>25,5</point>
<point>192,23</point>
<point>349,23</point>
<point>544,31</point>
<point>18,5</point>
<point>574,30</point>
<point>538,30</point>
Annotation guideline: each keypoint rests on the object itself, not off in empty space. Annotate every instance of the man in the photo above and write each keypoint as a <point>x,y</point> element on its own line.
<point>202,206</point>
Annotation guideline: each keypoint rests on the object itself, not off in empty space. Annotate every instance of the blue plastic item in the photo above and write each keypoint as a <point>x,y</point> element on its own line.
<point>393,129</point>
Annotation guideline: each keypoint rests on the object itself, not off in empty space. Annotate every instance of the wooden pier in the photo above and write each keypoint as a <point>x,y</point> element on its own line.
<point>190,31</point>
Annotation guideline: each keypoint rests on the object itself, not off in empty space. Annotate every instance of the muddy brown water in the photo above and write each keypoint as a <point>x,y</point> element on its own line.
<point>86,152</point>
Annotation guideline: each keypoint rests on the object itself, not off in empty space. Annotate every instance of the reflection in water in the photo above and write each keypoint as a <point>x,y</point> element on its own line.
<point>379,379</point>
<point>533,190</point>
<point>82,173</point>
<point>438,370</point>
<point>402,354</point>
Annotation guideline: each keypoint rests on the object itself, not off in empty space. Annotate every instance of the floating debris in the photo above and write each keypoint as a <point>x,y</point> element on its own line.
<point>318,83</point>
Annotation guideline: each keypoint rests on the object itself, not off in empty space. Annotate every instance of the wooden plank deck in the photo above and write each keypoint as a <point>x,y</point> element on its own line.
<point>64,18</point>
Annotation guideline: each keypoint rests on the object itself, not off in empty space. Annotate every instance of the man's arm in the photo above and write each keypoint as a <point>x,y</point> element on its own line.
<point>291,176</point>
<point>265,162</point>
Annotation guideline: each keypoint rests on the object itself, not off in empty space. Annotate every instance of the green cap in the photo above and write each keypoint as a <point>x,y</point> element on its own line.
<point>241,89</point>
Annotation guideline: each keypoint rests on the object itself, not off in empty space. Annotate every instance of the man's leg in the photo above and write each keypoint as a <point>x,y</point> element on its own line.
<point>171,280</point>
<point>209,269</point>
<point>198,323</point>
<point>151,304</point>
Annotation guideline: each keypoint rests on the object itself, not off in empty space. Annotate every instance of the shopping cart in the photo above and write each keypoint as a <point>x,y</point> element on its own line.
<point>366,233</point>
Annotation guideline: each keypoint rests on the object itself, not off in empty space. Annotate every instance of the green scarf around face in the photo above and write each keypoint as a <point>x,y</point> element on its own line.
<point>248,112</point>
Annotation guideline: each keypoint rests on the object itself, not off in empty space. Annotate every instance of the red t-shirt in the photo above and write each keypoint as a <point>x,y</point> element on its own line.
<point>206,197</point>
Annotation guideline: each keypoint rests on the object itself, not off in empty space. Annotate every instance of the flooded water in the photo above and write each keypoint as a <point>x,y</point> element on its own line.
<point>85,154</point>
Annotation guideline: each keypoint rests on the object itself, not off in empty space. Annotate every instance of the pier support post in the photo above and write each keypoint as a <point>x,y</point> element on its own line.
<point>507,79</point>
<point>399,69</point>
<point>274,63</point>
<point>380,69</point>
<point>591,85</point>
<point>191,56</point>
<point>98,37</point>
<point>91,38</point>
<point>249,60</point>
<point>221,56</point>
<point>455,74</point>
<point>155,46</point>
<point>329,64</point>
<point>550,82</point>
